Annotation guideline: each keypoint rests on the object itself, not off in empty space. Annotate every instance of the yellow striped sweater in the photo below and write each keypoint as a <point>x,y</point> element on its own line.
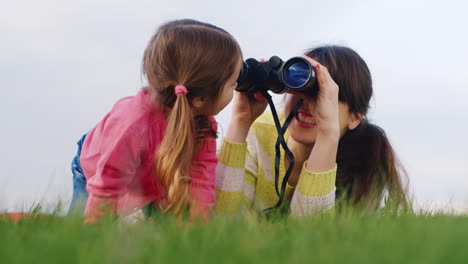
<point>245,176</point>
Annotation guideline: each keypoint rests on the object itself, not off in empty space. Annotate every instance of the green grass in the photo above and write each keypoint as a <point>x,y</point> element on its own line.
<point>342,238</point>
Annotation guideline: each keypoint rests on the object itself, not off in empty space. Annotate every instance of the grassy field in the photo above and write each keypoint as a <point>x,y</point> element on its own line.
<point>342,238</point>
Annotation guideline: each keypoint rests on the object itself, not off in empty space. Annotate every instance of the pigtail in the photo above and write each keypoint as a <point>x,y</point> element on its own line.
<point>368,168</point>
<point>173,158</point>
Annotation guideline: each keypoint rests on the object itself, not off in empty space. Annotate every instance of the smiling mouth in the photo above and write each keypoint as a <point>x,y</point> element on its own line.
<point>306,120</point>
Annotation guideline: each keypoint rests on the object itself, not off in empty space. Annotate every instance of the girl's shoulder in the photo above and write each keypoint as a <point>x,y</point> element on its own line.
<point>138,104</point>
<point>136,113</point>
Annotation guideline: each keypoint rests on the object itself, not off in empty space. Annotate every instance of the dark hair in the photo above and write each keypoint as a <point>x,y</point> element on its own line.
<point>201,57</point>
<point>367,164</point>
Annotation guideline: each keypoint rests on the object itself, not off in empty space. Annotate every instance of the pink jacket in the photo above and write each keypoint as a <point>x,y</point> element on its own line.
<point>117,160</point>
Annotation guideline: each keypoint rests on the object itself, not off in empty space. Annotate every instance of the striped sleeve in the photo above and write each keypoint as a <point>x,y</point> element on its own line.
<point>236,176</point>
<point>314,194</point>
<point>230,177</point>
<point>251,169</point>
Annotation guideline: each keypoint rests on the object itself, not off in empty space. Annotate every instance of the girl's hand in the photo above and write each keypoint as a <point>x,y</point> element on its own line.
<point>245,110</point>
<point>325,104</point>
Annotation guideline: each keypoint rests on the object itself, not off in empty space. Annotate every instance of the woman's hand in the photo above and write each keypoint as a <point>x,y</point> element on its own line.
<point>325,110</point>
<point>246,109</point>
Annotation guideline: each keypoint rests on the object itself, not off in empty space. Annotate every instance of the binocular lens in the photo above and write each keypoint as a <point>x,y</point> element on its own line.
<point>297,74</point>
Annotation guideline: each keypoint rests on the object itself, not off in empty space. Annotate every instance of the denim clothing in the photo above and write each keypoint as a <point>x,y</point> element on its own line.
<point>80,195</point>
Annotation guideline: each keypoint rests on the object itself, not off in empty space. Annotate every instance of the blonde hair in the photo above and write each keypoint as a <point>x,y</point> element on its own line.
<point>200,57</point>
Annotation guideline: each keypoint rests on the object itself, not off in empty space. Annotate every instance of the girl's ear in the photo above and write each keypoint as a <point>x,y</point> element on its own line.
<point>354,120</point>
<point>198,103</point>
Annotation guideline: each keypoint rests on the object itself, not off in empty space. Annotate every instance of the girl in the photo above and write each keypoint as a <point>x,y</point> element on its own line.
<point>332,141</point>
<point>158,147</point>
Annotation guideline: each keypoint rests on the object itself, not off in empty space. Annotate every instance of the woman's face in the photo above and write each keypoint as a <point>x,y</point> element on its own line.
<point>303,127</point>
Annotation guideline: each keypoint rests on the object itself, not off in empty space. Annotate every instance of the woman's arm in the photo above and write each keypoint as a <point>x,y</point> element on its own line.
<point>237,168</point>
<point>231,176</point>
<point>314,193</point>
<point>316,187</point>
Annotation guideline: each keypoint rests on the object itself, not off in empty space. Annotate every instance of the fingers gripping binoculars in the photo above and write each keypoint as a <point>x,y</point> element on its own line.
<point>296,74</point>
<point>278,76</point>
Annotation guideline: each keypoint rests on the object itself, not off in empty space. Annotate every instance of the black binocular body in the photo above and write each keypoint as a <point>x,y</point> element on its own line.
<point>278,76</point>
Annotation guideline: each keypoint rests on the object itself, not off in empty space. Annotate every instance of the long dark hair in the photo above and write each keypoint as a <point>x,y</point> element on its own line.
<point>367,164</point>
<point>201,57</point>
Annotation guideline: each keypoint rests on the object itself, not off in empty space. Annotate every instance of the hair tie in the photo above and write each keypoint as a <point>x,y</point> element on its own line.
<point>180,89</point>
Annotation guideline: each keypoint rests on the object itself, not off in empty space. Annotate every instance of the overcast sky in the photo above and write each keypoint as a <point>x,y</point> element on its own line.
<point>63,64</point>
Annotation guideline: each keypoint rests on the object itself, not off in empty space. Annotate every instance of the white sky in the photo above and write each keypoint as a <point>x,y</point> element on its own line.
<point>63,64</point>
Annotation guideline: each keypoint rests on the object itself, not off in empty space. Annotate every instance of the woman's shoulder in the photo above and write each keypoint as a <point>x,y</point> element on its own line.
<point>264,126</point>
<point>265,119</point>
<point>262,136</point>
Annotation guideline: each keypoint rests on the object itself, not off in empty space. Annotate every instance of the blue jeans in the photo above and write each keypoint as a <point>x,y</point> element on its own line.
<point>80,195</point>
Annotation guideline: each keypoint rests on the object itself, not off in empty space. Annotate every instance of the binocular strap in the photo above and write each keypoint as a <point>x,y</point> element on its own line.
<point>281,129</point>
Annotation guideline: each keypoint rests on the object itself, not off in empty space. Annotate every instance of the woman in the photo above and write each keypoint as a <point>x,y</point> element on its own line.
<point>338,152</point>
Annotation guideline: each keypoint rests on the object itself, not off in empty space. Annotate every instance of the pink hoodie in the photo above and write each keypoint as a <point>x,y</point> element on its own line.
<point>117,160</point>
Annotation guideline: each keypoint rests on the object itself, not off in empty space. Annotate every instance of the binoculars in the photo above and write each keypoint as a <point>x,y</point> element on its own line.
<point>278,76</point>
